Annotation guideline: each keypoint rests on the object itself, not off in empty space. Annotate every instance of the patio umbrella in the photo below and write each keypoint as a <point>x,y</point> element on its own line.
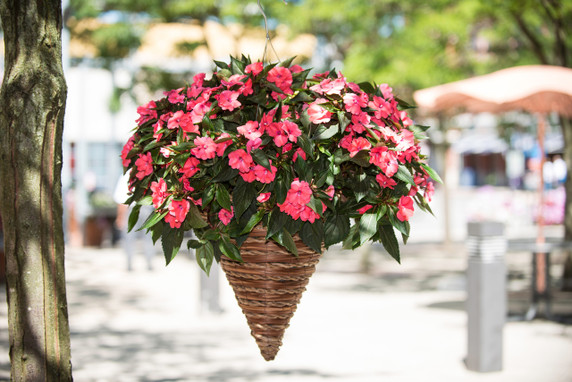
<point>539,89</point>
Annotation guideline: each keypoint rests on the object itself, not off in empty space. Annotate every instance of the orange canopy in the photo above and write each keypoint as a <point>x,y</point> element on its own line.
<point>532,88</point>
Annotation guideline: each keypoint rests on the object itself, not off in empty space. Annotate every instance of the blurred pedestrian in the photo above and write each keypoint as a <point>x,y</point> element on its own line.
<point>130,239</point>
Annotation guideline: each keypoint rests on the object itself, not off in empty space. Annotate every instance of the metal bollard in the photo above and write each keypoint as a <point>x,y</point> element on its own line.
<point>486,295</point>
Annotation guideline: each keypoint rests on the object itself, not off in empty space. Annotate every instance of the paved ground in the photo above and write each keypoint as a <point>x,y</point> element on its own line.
<point>398,323</point>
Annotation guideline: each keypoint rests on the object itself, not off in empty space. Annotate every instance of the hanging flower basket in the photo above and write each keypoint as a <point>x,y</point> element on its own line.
<point>269,167</point>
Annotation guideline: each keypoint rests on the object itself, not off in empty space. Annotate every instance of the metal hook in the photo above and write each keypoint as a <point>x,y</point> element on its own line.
<point>268,41</point>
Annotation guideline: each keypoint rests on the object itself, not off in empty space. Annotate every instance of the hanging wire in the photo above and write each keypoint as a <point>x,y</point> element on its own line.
<point>268,40</point>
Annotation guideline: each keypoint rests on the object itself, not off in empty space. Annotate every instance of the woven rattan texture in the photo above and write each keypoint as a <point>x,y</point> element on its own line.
<point>268,286</point>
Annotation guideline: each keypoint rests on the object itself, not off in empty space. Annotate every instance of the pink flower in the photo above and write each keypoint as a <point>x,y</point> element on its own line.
<point>255,68</point>
<point>386,91</point>
<point>299,192</point>
<point>221,146</point>
<point>330,191</point>
<point>240,160</point>
<point>198,111</point>
<point>429,191</point>
<point>263,175</point>
<point>125,151</point>
<point>299,152</point>
<point>248,176</point>
<point>278,132</point>
<point>405,208</point>
<point>263,197</point>
<point>144,165</point>
<point>178,210</point>
<point>318,114</point>
<point>184,121</point>
<point>253,144</point>
<point>384,181</point>
<point>292,130</point>
<point>357,145</point>
<point>235,79</point>
<point>228,100</point>
<point>359,121</point>
<point>225,215</point>
<point>354,102</point>
<point>382,107</point>
<point>329,86</point>
<point>282,77</point>
<point>365,208</point>
<point>384,159</point>
<point>190,168</point>
<point>404,140</point>
<point>296,68</point>
<point>308,214</point>
<point>250,130</point>
<point>205,148</point>
<point>246,89</point>
<point>160,193</point>
<point>175,96</point>
<point>146,113</point>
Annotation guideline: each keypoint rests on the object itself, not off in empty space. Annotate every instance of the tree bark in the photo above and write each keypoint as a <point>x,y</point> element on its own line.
<point>33,98</point>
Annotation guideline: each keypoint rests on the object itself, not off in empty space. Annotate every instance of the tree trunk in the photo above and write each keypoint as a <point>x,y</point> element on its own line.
<point>33,98</point>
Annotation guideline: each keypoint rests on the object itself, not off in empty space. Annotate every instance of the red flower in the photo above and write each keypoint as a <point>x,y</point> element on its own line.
<point>160,193</point>
<point>384,181</point>
<point>190,168</point>
<point>365,208</point>
<point>318,114</point>
<point>299,192</point>
<point>144,165</point>
<point>221,146</point>
<point>263,197</point>
<point>240,160</point>
<point>228,100</point>
<point>357,145</point>
<point>384,159</point>
<point>354,102</point>
<point>225,215</point>
<point>205,148</point>
<point>263,175</point>
<point>282,77</point>
<point>405,208</point>
<point>178,210</point>
<point>125,151</point>
<point>255,68</point>
<point>146,113</point>
<point>249,130</point>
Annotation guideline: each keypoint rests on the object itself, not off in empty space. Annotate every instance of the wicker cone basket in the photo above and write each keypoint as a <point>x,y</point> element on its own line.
<point>268,286</point>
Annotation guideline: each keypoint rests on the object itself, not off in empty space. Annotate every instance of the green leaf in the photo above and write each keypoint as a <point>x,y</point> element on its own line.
<point>352,237</point>
<point>223,197</point>
<point>367,227</point>
<point>316,205</point>
<point>225,175</point>
<point>260,157</point>
<point>194,217</point>
<point>367,87</point>
<point>336,229</point>
<point>402,226</point>
<point>276,221</point>
<point>253,221</point>
<point>208,195</point>
<point>133,217</point>
<point>325,133</point>
<point>312,234</point>
<point>305,144</point>
<point>389,241</point>
<point>361,158</point>
<point>432,173</point>
<point>243,196</point>
<point>344,121</point>
<point>153,219</point>
<point>171,241</point>
<point>229,249</point>
<point>404,175</point>
<point>194,244</point>
<point>205,256</point>
<point>284,238</point>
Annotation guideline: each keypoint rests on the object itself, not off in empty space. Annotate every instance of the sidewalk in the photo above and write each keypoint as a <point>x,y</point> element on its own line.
<point>400,323</point>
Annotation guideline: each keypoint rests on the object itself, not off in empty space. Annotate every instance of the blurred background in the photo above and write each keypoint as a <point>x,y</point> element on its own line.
<point>121,53</point>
